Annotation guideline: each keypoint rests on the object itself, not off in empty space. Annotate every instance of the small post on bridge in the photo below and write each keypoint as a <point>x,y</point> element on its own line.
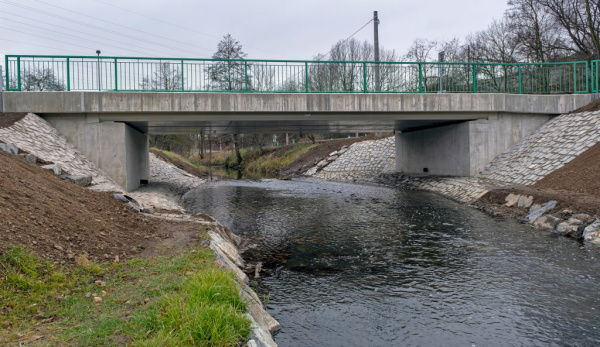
<point>376,48</point>
<point>1,88</point>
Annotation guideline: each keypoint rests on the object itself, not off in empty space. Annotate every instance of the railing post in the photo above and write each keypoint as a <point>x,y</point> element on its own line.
<point>306,75</point>
<point>68,75</point>
<point>6,71</point>
<point>246,73</point>
<point>587,78</point>
<point>365,89</point>
<point>520,80</point>
<point>182,77</point>
<point>19,73</point>
<point>474,78</point>
<point>574,78</point>
<point>420,78</point>
<point>116,78</point>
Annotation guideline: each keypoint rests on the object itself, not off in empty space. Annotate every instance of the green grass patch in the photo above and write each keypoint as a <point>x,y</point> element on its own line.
<point>268,165</point>
<point>176,300</point>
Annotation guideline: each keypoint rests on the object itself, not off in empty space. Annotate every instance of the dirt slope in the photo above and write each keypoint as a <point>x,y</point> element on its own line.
<point>580,175</point>
<point>58,220</point>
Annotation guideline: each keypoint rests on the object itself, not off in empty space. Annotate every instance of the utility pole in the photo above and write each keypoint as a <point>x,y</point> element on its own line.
<point>376,44</point>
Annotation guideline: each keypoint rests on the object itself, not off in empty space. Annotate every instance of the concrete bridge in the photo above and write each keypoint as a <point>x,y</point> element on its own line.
<point>438,134</point>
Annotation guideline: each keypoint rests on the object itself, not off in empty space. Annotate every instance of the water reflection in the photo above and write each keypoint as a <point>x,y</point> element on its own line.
<point>371,266</point>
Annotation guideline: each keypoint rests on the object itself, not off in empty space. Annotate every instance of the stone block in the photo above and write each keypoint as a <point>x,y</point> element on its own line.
<point>322,164</point>
<point>30,158</point>
<point>55,168</point>
<point>9,148</point>
<point>80,180</point>
<point>533,215</point>
<point>547,222</point>
<point>311,171</point>
<point>525,201</point>
<point>567,229</point>
<point>592,232</point>
<point>512,200</point>
<point>583,217</point>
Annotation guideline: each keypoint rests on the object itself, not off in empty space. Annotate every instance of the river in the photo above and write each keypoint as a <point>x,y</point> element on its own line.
<point>359,265</point>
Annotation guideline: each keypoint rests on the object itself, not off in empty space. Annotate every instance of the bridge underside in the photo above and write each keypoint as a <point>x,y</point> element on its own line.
<point>161,124</point>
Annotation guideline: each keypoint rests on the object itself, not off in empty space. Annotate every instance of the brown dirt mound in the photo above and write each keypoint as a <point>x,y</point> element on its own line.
<point>575,186</point>
<point>592,106</point>
<point>180,164</point>
<point>581,175</point>
<point>321,152</point>
<point>8,119</point>
<point>58,220</point>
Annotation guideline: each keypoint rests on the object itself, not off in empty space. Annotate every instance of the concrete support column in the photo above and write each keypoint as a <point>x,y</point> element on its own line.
<point>119,150</point>
<point>462,149</point>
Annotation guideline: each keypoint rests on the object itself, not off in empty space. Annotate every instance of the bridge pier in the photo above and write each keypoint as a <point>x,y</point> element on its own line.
<point>118,149</point>
<point>462,149</point>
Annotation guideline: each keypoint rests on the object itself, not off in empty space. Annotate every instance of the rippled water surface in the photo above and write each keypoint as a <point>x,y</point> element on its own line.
<point>373,266</point>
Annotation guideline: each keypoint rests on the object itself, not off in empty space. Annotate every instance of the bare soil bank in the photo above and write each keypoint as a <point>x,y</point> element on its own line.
<point>58,220</point>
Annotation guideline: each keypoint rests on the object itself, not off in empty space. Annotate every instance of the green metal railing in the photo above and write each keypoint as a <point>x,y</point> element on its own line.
<point>595,77</point>
<point>89,73</point>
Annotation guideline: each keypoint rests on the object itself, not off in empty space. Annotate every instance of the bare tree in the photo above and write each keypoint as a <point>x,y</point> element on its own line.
<point>166,77</point>
<point>579,21</point>
<point>40,80</point>
<point>230,73</point>
<point>348,72</point>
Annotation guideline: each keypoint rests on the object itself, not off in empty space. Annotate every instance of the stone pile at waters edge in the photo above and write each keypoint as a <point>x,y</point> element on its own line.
<point>223,243</point>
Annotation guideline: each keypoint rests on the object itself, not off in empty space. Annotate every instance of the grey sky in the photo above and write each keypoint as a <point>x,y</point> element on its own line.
<point>267,29</point>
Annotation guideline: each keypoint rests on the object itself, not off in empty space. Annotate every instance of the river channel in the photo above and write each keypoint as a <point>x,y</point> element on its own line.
<point>361,265</point>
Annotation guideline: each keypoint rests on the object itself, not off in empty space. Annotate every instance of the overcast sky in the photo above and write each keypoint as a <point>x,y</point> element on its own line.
<point>267,29</point>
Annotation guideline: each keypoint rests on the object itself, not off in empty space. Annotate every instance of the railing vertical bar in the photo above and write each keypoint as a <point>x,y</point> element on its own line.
<point>474,72</point>
<point>116,78</point>
<point>19,73</point>
<point>420,78</point>
<point>6,67</point>
<point>520,84</point>
<point>365,77</point>
<point>574,78</point>
<point>306,75</point>
<point>68,75</point>
<point>182,77</point>
<point>246,73</point>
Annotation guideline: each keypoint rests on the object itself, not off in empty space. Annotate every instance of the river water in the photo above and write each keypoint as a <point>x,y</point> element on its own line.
<point>373,266</point>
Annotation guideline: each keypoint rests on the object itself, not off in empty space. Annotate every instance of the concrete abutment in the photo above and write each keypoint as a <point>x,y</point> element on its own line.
<point>118,149</point>
<point>462,149</point>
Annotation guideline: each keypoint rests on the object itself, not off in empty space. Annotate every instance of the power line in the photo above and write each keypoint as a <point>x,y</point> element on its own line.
<point>94,26</point>
<point>33,44</point>
<point>77,37</point>
<point>340,43</point>
<point>44,37</point>
<point>86,33</point>
<point>182,27</point>
<point>123,26</point>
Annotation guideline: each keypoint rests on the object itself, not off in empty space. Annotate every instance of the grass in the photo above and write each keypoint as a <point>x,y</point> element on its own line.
<point>268,165</point>
<point>175,300</point>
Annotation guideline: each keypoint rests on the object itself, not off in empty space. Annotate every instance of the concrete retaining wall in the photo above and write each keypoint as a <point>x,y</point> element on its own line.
<point>462,149</point>
<point>118,149</point>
